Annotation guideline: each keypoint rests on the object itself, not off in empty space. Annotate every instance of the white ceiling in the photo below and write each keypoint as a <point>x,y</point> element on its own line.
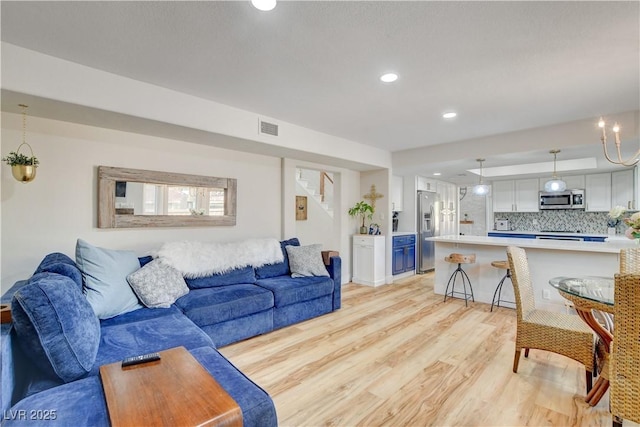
<point>503,66</point>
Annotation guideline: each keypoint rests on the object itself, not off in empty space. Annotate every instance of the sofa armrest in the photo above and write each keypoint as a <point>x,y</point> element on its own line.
<point>335,272</point>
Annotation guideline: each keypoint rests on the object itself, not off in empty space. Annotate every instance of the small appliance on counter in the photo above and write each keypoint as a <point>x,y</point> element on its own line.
<point>502,225</point>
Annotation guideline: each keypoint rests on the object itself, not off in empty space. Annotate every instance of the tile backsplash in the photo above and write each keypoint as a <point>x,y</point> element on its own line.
<point>559,220</point>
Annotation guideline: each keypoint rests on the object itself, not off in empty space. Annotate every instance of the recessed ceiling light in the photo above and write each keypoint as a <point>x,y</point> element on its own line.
<point>437,174</point>
<point>389,77</point>
<point>449,115</point>
<point>264,5</point>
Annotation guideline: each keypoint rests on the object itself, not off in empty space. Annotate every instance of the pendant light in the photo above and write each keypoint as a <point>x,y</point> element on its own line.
<point>480,189</point>
<point>554,184</point>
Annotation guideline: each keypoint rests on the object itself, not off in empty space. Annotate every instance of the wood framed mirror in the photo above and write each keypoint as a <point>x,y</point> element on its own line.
<point>129,198</point>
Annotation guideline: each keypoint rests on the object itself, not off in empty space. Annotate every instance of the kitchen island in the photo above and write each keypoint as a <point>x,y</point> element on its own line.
<point>547,259</point>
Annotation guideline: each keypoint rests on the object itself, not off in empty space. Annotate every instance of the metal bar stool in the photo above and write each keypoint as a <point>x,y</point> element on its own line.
<point>460,259</point>
<point>504,265</point>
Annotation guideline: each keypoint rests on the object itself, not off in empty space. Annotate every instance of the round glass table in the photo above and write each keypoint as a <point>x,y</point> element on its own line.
<point>589,293</point>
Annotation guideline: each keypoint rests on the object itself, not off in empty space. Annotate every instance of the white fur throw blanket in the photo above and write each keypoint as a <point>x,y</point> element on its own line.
<point>200,259</point>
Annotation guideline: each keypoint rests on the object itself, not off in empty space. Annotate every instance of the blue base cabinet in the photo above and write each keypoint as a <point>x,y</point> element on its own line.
<point>404,254</point>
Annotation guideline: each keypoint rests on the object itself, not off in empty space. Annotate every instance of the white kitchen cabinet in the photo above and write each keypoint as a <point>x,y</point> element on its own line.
<point>368,260</point>
<point>521,195</point>
<point>527,195</point>
<point>623,189</point>
<point>598,192</point>
<point>503,196</point>
<point>574,182</point>
<point>397,192</point>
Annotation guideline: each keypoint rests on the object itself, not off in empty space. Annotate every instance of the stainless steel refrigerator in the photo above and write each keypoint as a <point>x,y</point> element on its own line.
<point>428,226</point>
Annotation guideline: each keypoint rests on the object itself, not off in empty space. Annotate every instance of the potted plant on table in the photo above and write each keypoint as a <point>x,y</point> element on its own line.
<point>363,210</point>
<point>23,167</point>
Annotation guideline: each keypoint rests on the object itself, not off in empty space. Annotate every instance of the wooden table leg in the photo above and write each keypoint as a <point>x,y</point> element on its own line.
<point>602,384</point>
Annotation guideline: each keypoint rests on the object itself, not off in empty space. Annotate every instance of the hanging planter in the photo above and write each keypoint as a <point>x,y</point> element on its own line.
<point>23,167</point>
<point>23,173</point>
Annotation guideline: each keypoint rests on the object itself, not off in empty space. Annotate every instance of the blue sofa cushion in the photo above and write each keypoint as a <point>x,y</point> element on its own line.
<point>79,403</point>
<point>233,277</point>
<point>56,326</point>
<point>281,268</point>
<point>59,263</point>
<point>219,304</point>
<point>145,331</point>
<point>55,258</point>
<point>138,315</point>
<point>83,403</point>
<point>144,260</point>
<point>257,407</point>
<point>288,290</point>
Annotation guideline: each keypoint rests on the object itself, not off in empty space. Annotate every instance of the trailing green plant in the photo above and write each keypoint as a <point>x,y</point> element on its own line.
<point>363,210</point>
<point>14,158</point>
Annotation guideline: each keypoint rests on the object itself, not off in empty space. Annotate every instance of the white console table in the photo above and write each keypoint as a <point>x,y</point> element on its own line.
<point>368,260</point>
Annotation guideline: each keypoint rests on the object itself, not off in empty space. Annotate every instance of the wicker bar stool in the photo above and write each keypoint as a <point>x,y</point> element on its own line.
<point>503,265</point>
<point>630,261</point>
<point>460,259</point>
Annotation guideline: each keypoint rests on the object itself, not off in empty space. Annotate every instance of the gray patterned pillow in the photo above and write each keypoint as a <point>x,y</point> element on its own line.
<point>157,284</point>
<point>306,261</point>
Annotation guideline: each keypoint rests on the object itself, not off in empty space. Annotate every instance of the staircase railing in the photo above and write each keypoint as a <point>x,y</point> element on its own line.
<point>323,176</point>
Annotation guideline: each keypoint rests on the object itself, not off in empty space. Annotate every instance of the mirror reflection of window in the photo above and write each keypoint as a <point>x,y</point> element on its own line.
<point>216,201</point>
<point>160,199</point>
<point>151,200</point>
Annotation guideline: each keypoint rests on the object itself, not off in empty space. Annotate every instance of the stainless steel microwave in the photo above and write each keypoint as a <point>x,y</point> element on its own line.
<point>568,199</point>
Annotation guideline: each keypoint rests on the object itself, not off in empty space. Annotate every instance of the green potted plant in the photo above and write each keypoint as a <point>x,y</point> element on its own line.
<point>23,167</point>
<point>363,210</point>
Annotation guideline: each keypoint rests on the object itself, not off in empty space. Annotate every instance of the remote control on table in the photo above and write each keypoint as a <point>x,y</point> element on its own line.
<point>143,358</point>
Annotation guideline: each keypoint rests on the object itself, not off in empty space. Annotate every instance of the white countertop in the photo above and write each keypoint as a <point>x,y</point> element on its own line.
<point>404,233</point>
<point>563,245</point>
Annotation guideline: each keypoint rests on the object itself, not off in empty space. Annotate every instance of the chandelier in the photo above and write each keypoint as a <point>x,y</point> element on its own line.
<point>616,131</point>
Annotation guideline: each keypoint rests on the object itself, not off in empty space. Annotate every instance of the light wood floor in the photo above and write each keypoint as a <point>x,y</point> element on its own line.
<point>397,355</point>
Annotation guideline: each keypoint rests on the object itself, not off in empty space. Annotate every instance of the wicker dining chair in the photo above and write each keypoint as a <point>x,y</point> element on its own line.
<point>624,375</point>
<point>560,333</point>
<point>630,261</point>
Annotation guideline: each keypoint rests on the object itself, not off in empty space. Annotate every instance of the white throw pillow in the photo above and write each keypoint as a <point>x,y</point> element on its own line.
<point>306,261</point>
<point>157,284</point>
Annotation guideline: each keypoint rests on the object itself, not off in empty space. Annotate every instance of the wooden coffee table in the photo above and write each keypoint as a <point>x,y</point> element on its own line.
<point>175,390</point>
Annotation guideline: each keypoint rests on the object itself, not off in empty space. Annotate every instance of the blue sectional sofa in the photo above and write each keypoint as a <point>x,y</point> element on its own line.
<point>52,351</point>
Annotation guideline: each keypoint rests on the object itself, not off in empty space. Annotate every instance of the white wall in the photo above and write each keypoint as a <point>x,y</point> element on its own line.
<point>50,213</point>
<point>346,194</point>
<point>318,227</point>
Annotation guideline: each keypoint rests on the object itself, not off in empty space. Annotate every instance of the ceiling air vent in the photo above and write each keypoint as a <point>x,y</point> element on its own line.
<point>268,128</point>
